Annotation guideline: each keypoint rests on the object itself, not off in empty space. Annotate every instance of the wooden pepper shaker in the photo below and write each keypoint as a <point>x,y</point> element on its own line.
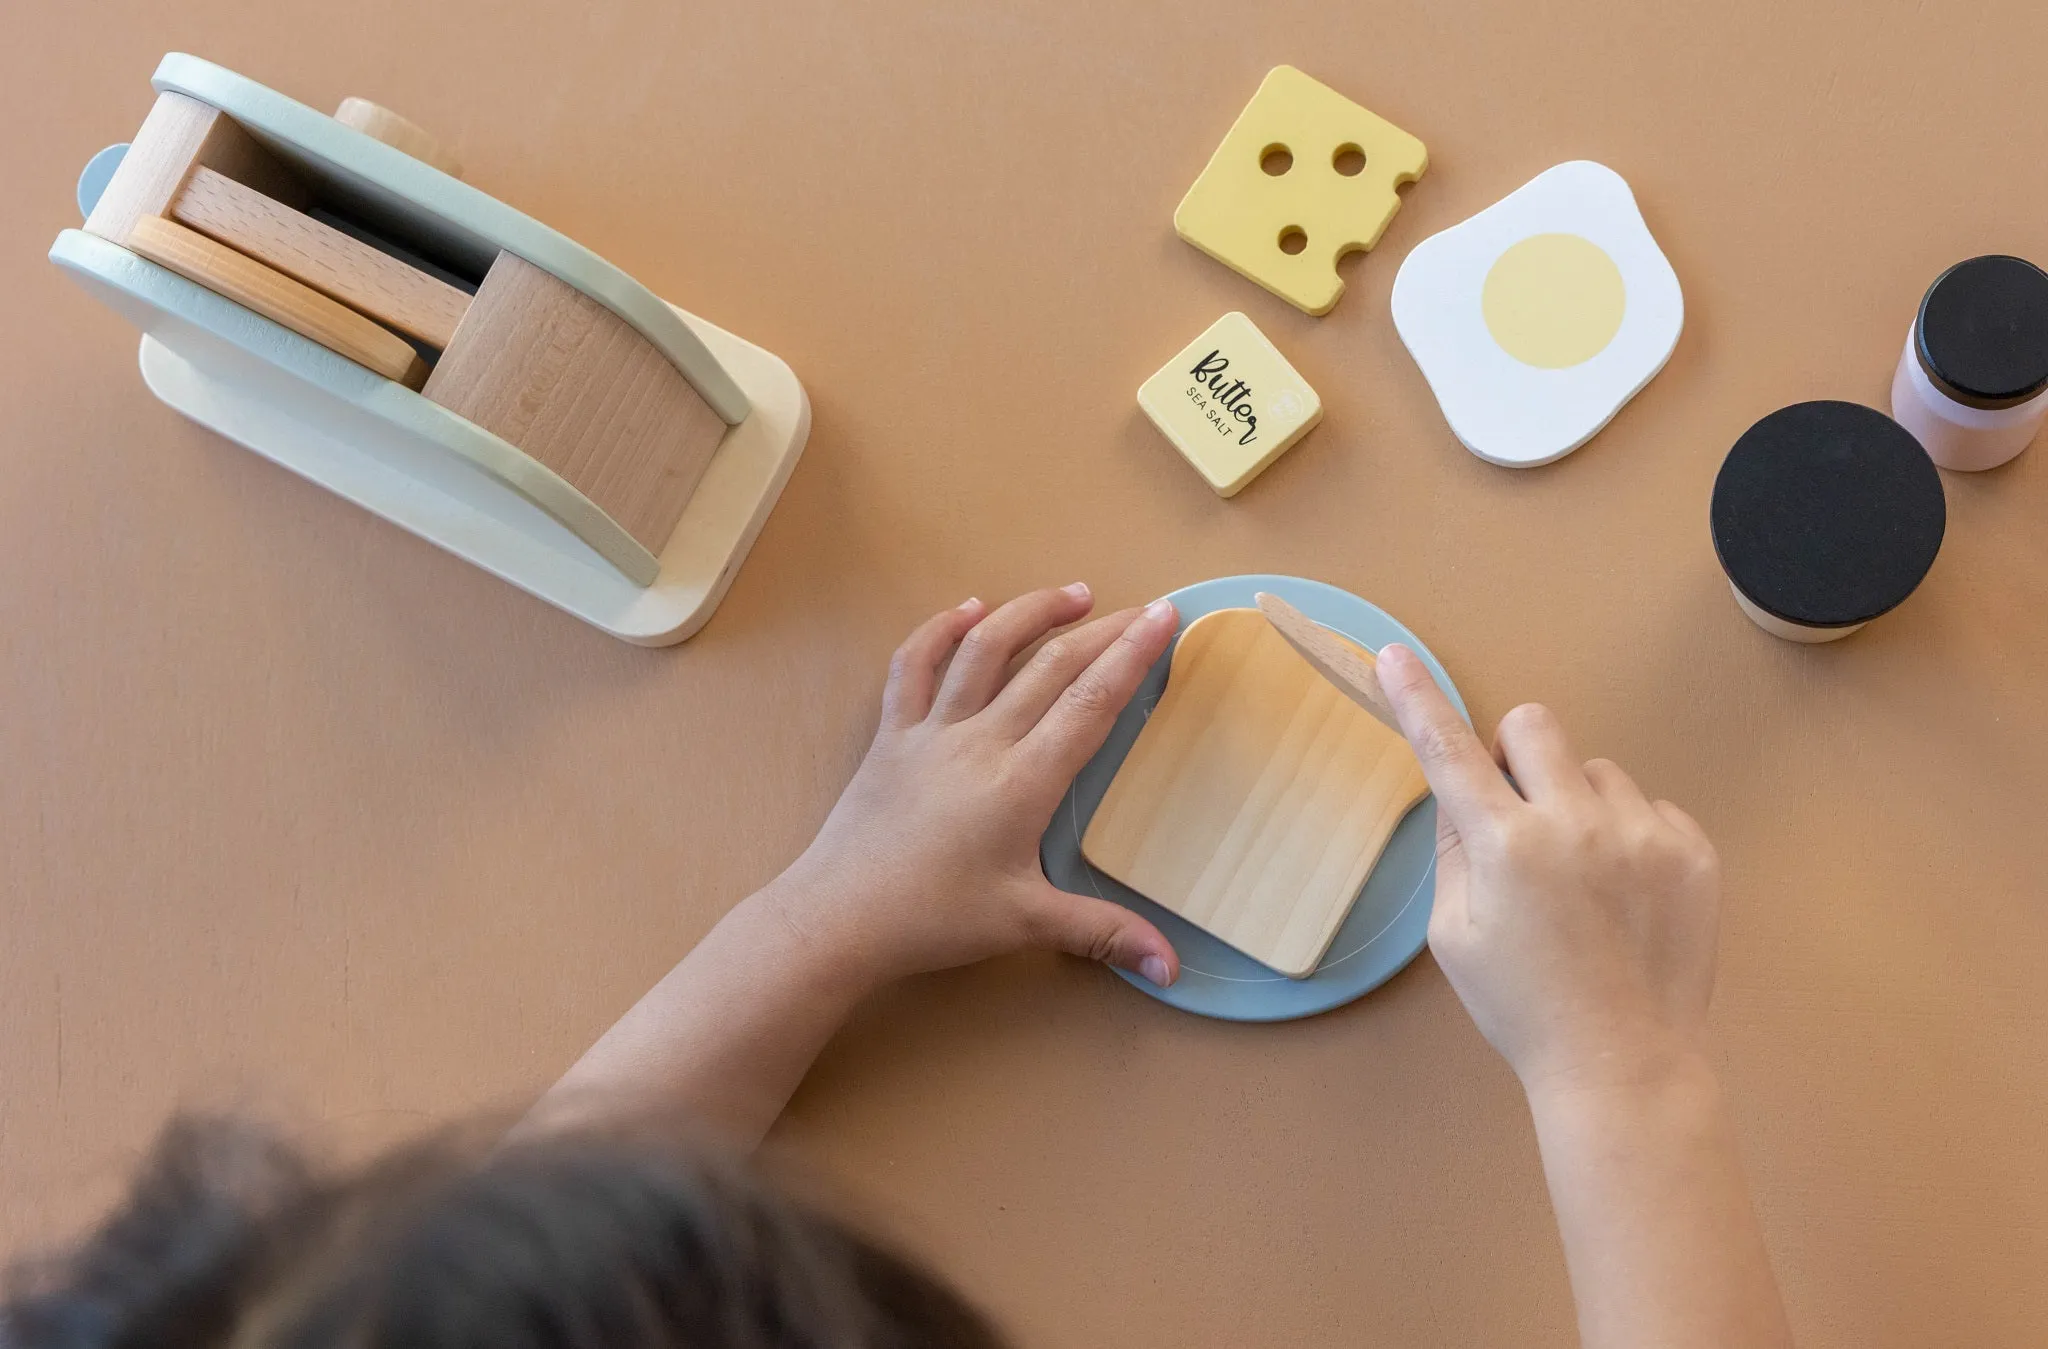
<point>1824,516</point>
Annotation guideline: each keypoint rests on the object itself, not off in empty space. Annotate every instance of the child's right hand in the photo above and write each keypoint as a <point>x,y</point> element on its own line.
<point>1578,925</point>
<point>930,858</point>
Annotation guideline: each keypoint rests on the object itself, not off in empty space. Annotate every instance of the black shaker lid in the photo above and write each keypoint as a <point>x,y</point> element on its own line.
<point>1982,333</point>
<point>1827,514</point>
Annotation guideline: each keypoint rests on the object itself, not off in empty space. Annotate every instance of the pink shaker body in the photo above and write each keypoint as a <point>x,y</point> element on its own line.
<point>1955,435</point>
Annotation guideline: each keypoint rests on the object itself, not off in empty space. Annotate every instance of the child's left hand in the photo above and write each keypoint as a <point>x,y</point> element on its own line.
<point>930,859</point>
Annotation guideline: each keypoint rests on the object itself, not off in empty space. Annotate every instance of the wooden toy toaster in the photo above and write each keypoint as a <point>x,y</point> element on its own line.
<point>326,292</point>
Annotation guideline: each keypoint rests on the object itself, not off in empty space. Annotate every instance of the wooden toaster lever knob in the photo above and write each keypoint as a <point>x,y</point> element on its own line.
<point>380,123</point>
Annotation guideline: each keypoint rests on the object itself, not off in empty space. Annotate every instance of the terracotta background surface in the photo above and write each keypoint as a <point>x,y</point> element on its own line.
<point>300,816</point>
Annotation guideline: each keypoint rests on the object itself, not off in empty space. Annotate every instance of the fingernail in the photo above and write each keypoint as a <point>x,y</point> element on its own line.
<point>971,602</point>
<point>1396,653</point>
<point>1154,970</point>
<point>1079,590</point>
<point>1158,609</point>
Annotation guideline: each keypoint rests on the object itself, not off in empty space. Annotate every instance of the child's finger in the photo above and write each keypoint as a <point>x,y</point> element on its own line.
<point>987,650</point>
<point>1096,929</point>
<point>1467,782</point>
<point>1614,785</point>
<point>1533,742</point>
<point>1682,822</point>
<point>1448,917</point>
<point>914,669</point>
<point>1068,735</point>
<point>1033,690</point>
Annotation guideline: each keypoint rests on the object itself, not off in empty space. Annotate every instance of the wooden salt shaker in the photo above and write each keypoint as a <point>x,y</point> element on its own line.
<point>1972,383</point>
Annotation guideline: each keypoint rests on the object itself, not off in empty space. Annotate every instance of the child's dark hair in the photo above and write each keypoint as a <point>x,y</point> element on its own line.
<point>230,1239</point>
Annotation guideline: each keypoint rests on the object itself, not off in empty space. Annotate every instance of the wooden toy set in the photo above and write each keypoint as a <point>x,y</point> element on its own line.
<point>327,292</point>
<point>1258,797</point>
<point>1534,321</point>
<point>1253,796</point>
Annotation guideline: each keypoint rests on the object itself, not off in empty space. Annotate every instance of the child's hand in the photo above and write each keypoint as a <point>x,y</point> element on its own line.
<point>930,859</point>
<point>1577,925</point>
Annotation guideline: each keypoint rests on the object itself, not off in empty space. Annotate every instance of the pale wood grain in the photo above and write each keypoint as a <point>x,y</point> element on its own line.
<point>554,372</point>
<point>342,268</point>
<point>178,135</point>
<point>1351,668</point>
<point>277,297</point>
<point>380,123</point>
<point>1257,798</point>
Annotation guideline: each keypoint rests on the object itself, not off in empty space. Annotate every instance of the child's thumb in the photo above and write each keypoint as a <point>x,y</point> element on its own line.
<point>1099,930</point>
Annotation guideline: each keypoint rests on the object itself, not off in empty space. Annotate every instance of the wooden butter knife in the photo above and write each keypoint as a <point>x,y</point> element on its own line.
<point>1336,660</point>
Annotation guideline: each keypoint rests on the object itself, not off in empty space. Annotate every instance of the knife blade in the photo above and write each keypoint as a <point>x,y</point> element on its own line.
<point>1350,669</point>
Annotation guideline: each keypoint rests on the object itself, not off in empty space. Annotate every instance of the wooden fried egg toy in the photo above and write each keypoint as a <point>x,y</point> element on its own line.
<point>1535,320</point>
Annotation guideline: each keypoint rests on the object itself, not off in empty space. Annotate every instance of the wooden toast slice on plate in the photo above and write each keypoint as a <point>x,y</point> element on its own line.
<point>1258,797</point>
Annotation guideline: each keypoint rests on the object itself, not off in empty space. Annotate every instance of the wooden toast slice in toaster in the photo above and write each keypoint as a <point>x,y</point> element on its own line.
<point>365,279</point>
<point>277,297</point>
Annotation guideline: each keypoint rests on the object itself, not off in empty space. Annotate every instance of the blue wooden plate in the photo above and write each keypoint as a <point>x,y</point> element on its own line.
<point>1388,925</point>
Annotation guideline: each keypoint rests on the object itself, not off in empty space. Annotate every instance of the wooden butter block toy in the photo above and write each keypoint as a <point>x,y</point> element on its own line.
<point>326,292</point>
<point>1537,319</point>
<point>1972,383</point>
<point>1257,797</point>
<point>1230,403</point>
<point>1303,177</point>
<point>1826,515</point>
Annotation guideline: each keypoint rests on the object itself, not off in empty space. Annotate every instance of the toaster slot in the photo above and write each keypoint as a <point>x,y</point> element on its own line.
<point>367,280</point>
<point>196,193</point>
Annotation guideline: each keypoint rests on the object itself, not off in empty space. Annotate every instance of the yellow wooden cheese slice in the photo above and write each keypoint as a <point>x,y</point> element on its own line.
<point>1303,177</point>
